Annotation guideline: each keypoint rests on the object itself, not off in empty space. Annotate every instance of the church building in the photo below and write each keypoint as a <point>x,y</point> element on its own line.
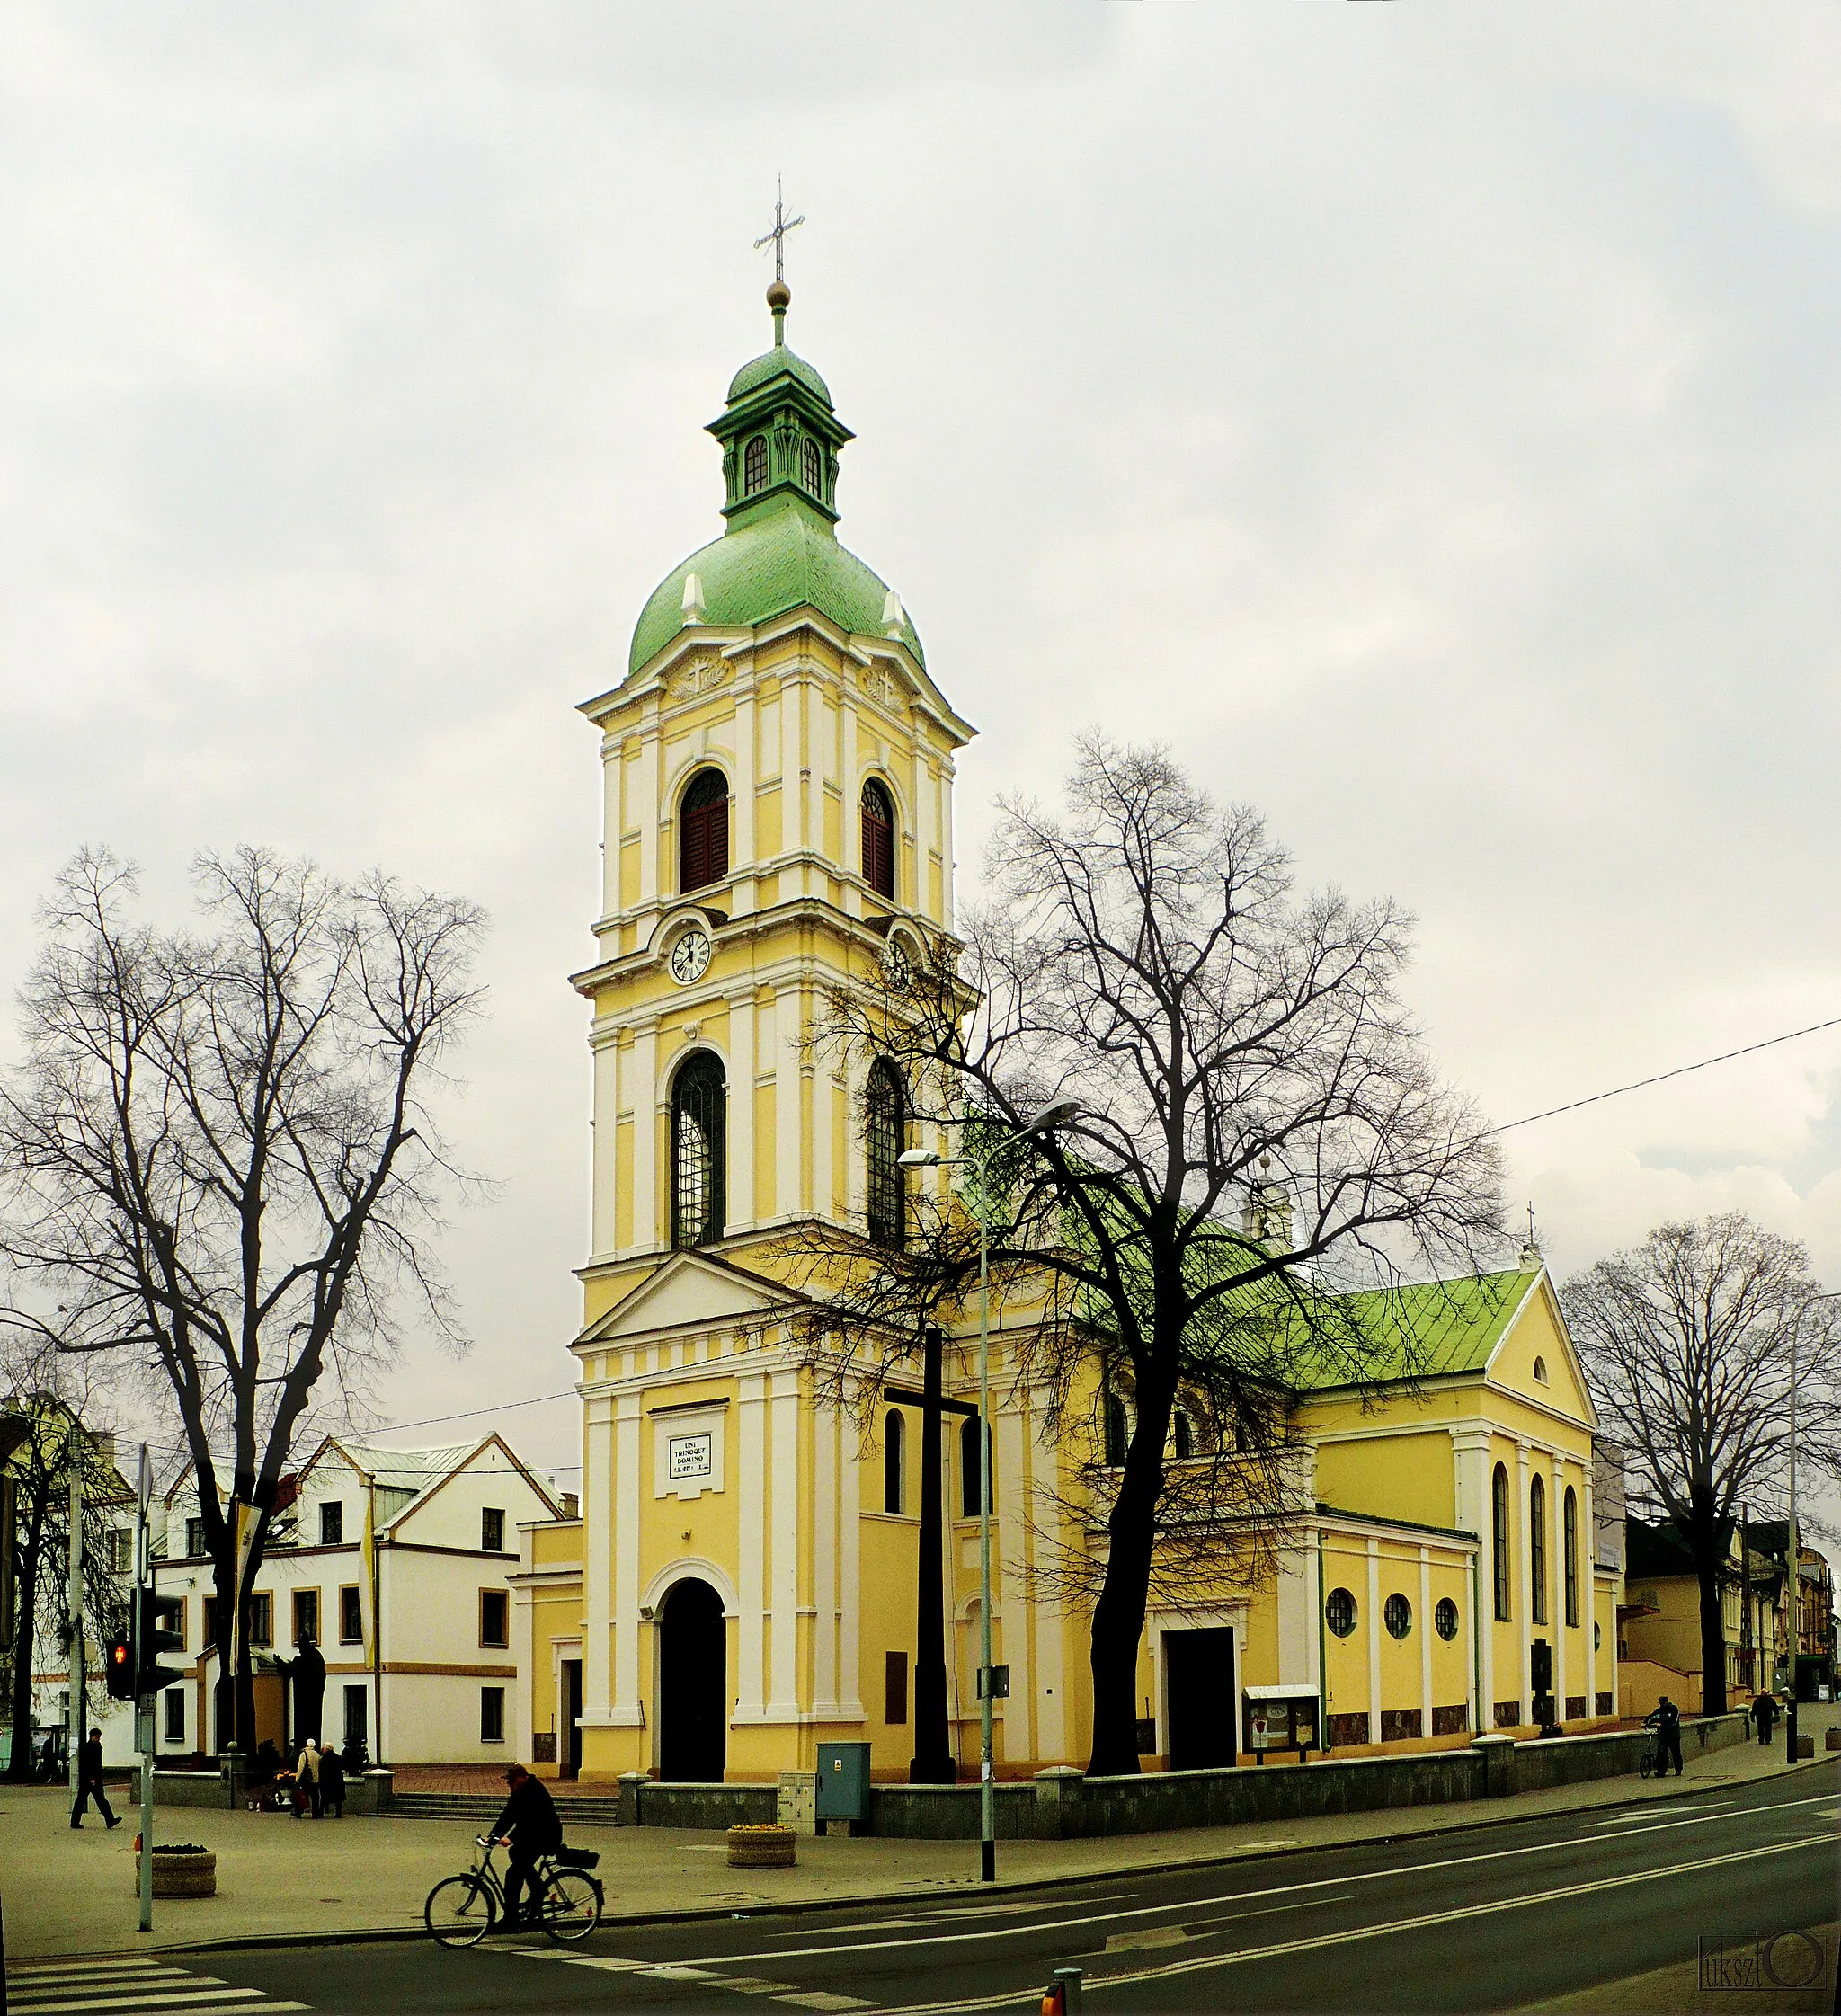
<point>741,1582</point>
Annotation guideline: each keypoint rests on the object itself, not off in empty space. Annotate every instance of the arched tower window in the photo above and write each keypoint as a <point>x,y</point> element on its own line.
<point>1568,1520</point>
<point>894,1462</point>
<point>1182,1437</point>
<point>970,1468</point>
<point>885,1125</point>
<point>754,466</point>
<point>703,832</point>
<point>878,839</point>
<point>1498,1537</point>
<point>812,466</point>
<point>1537,1547</point>
<point>699,1158</point>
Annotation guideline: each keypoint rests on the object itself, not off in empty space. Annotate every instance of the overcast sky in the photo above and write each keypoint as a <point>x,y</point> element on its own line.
<point>1425,416</point>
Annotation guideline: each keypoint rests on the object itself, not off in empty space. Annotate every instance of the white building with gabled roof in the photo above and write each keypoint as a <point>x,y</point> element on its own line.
<point>422,1540</point>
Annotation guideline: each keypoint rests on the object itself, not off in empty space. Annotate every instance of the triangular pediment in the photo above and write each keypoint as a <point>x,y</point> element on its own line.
<point>689,1292</point>
<point>1535,1357</point>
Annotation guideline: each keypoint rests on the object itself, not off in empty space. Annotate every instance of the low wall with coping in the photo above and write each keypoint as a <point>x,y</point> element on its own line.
<point>1065,1804</point>
<point>367,1792</point>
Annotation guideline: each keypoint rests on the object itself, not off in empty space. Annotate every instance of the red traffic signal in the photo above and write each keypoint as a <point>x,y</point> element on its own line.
<point>118,1664</point>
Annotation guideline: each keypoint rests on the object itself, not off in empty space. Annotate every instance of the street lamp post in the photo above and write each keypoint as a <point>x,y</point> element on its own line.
<point>1051,1116</point>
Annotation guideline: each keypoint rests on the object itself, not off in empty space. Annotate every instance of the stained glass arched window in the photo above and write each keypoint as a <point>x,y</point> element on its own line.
<point>885,1128</point>
<point>699,1150</point>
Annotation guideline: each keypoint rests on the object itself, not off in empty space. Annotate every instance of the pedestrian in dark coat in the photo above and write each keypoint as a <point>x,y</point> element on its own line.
<point>1764,1714</point>
<point>332,1783</point>
<point>89,1782</point>
<point>1664,1719</point>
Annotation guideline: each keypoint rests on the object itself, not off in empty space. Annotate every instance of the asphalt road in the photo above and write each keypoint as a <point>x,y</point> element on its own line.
<point>1483,1919</point>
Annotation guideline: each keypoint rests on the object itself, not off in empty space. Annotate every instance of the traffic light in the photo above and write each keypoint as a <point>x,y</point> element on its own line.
<point>156,1619</point>
<point>118,1664</point>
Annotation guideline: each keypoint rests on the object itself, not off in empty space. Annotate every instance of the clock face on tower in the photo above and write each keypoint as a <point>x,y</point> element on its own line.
<point>689,956</point>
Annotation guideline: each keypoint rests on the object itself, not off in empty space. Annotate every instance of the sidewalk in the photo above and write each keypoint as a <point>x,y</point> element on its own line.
<point>280,1879</point>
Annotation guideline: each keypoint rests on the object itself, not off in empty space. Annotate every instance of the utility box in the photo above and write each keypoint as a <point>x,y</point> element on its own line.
<point>843,1781</point>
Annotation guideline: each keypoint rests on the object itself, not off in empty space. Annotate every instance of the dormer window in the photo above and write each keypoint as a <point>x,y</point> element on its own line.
<point>812,466</point>
<point>754,467</point>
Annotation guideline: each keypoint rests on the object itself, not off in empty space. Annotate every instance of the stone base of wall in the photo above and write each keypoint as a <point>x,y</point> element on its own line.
<point>1064,1804</point>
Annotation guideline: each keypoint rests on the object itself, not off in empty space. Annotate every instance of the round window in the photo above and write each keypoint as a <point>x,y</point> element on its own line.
<point>1340,1612</point>
<point>1445,1617</point>
<point>1398,1615</point>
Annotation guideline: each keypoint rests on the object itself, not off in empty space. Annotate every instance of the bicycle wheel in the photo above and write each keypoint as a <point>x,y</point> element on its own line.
<point>459,1911</point>
<point>571,1905</point>
<point>1645,1762</point>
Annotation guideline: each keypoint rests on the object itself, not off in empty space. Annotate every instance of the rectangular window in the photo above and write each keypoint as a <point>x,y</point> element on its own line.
<point>306,1615</point>
<point>210,1637</point>
<point>357,1719</point>
<point>495,1617</point>
<point>491,1530</point>
<point>194,1536</point>
<point>492,1715</point>
<point>174,1698</point>
<point>894,1687</point>
<point>261,1620</point>
<point>121,1551</point>
<point>350,1616</point>
<point>333,1524</point>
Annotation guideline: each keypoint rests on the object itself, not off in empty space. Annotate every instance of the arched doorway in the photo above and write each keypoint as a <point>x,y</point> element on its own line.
<point>693,1684</point>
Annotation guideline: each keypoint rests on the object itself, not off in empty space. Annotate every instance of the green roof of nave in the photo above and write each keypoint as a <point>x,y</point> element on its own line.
<point>780,550</point>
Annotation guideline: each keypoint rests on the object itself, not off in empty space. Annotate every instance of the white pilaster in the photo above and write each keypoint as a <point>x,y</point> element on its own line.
<point>824,1562</point>
<point>751,1484</point>
<point>652,811</point>
<point>1010,1479</point>
<point>783,1703</point>
<point>1374,1640</point>
<point>740,1201</point>
<point>642,1100</point>
<point>1589,1585</point>
<point>1556,1553</point>
<point>1475,1514</point>
<point>1525,1626</point>
<point>625,1703</point>
<point>1424,1642</point>
<point>850,1512</point>
<point>597,1553</point>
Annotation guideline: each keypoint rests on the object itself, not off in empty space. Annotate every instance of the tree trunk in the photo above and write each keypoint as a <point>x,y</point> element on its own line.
<point>1713,1641</point>
<point>933,1761</point>
<point>1118,1617</point>
<point>25,1638</point>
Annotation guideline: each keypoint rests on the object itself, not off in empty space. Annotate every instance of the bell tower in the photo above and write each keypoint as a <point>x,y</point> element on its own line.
<point>777,769</point>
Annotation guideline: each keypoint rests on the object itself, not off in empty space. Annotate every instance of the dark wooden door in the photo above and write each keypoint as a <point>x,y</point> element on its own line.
<point>1199,1699</point>
<point>572,1719</point>
<point>693,1690</point>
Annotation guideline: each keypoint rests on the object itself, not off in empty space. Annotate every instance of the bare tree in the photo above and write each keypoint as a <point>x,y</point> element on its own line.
<point>1687,1342</point>
<point>1259,1131</point>
<point>218,1155</point>
<point>46,1400</point>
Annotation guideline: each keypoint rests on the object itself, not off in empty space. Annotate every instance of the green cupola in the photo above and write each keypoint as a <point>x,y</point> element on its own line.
<point>780,440</point>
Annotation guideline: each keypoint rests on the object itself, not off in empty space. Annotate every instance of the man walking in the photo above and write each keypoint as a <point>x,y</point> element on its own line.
<point>1666,1721</point>
<point>307,1779</point>
<point>532,1828</point>
<point>89,1782</point>
<point>1764,1716</point>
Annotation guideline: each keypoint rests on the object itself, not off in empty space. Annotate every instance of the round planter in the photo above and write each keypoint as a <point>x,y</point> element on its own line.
<point>770,1847</point>
<point>191,1872</point>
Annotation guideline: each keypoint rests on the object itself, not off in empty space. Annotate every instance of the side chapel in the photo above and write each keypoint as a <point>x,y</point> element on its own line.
<point>741,1582</point>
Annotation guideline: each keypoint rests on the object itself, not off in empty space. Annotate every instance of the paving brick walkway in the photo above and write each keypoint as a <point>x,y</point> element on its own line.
<point>487,1779</point>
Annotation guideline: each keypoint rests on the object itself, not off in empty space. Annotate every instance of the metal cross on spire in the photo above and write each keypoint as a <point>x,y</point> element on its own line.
<point>776,237</point>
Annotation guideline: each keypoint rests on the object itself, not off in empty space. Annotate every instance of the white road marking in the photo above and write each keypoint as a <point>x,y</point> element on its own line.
<point>669,1972</point>
<point>1010,1998</point>
<point>820,1998</point>
<point>174,1999</point>
<point>1660,1812</point>
<point>80,1970</point>
<point>1145,1936</point>
<point>1568,1845</point>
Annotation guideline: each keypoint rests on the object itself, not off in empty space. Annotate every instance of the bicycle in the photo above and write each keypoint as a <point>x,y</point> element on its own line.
<point>565,1902</point>
<point>1649,1759</point>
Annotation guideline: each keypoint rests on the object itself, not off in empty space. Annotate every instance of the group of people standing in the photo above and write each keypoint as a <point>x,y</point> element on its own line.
<point>319,1783</point>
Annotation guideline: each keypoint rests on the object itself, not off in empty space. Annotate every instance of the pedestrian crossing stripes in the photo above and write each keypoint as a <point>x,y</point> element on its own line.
<point>129,1987</point>
<point>737,1983</point>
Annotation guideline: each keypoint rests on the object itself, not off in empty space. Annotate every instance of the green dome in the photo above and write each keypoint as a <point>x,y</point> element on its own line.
<point>779,557</point>
<point>770,364</point>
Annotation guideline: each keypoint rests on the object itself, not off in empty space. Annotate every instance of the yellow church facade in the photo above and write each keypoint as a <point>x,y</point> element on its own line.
<point>742,1583</point>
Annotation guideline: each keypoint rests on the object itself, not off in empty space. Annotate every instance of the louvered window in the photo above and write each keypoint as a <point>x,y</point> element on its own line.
<point>703,819</point>
<point>699,1158</point>
<point>878,839</point>
<point>754,466</point>
<point>885,1126</point>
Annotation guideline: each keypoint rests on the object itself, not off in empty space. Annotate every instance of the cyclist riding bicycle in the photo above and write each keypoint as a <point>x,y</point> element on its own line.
<point>531,1828</point>
<point>1664,1719</point>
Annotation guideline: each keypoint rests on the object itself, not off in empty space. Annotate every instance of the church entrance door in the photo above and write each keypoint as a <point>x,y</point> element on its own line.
<point>1199,1703</point>
<point>693,1684</point>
